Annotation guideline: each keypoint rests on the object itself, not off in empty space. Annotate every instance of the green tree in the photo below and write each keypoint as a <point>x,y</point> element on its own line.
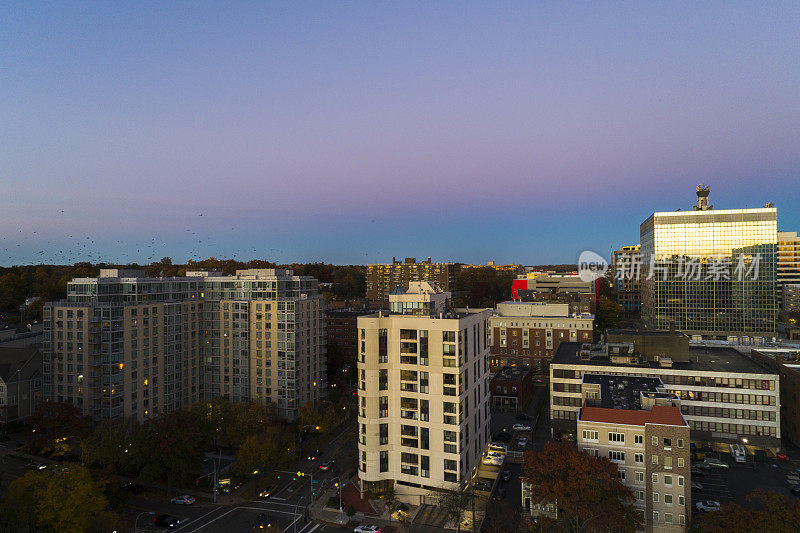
<point>121,445</point>
<point>65,500</point>
<point>482,287</point>
<point>53,425</point>
<point>268,450</point>
<point>587,489</point>
<point>608,315</point>
<point>177,443</point>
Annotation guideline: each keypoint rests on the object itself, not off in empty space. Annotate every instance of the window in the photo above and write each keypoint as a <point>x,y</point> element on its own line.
<point>655,478</point>
<point>615,455</point>
<point>668,518</point>
<point>640,495</point>
<point>680,443</point>
<point>667,442</point>
<point>655,516</point>
<point>655,497</point>
<point>594,452</point>
<point>680,462</point>
<point>667,479</point>
<point>616,437</point>
<point>668,499</point>
<point>450,464</point>
<point>654,440</point>
<point>621,475</point>
<point>638,439</point>
<point>590,435</point>
<point>680,500</point>
<point>680,481</point>
<point>681,520</point>
<point>667,462</point>
<point>654,459</point>
<point>640,477</point>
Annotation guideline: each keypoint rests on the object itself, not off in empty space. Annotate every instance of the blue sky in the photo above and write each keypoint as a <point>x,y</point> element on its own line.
<point>351,132</point>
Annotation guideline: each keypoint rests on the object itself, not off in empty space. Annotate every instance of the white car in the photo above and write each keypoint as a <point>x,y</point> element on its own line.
<point>521,427</point>
<point>183,500</point>
<point>492,461</point>
<point>498,447</point>
<point>707,506</point>
<point>522,443</point>
<point>367,529</point>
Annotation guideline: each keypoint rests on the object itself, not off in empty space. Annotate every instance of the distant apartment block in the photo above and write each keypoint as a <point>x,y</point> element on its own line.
<point>423,393</point>
<point>510,269</point>
<point>124,344</point>
<point>383,279</point>
<point>528,334</point>
<point>629,287</point>
<point>641,429</point>
<point>726,396</point>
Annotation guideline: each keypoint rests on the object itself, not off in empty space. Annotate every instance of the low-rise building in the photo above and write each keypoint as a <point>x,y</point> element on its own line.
<point>556,288</point>
<point>528,334</point>
<point>726,397</point>
<point>511,388</point>
<point>786,363</point>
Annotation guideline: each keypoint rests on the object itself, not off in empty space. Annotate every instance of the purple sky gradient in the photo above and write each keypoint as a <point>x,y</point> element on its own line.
<point>354,132</point>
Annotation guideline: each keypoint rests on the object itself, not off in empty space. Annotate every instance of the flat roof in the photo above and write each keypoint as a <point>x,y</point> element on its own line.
<point>702,359</point>
<point>622,392</point>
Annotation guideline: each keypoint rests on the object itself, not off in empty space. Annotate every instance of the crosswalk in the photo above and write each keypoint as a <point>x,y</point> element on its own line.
<point>290,517</point>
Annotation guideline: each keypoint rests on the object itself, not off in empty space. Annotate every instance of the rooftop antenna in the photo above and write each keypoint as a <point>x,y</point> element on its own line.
<point>702,198</point>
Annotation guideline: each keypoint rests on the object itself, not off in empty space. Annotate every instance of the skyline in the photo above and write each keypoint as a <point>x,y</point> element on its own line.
<point>354,133</point>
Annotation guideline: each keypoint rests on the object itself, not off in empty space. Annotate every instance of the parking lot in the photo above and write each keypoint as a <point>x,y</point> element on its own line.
<point>734,483</point>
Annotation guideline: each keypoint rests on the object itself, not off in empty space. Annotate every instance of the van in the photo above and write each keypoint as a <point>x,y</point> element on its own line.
<point>738,453</point>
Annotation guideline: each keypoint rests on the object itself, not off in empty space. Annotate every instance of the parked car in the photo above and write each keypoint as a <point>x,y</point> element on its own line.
<point>367,529</point>
<point>521,427</point>
<point>702,466</point>
<point>707,506</point>
<point>715,463</point>
<point>314,455</point>
<point>697,486</point>
<point>781,456</point>
<point>35,465</point>
<point>700,472</point>
<point>326,465</point>
<point>267,492</point>
<point>523,416</point>
<point>522,443</point>
<point>183,500</point>
<point>166,521</point>
<point>492,461</point>
<point>498,447</point>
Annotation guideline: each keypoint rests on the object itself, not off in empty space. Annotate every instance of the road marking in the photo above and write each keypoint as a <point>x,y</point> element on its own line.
<point>279,499</point>
<point>214,520</point>
<point>200,517</point>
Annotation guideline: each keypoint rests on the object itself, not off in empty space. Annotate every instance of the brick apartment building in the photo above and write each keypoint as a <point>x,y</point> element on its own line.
<point>383,279</point>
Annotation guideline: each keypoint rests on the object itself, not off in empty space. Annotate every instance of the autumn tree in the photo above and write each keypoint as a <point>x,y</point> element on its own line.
<point>767,511</point>
<point>586,489</point>
<point>484,287</point>
<point>53,426</point>
<point>177,443</point>
<point>455,504</point>
<point>273,447</point>
<point>609,314</point>
<point>121,445</point>
<point>64,499</point>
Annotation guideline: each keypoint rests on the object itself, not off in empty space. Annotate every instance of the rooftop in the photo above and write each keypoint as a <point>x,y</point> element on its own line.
<point>512,374</point>
<point>622,392</point>
<point>701,359</point>
<point>663,415</point>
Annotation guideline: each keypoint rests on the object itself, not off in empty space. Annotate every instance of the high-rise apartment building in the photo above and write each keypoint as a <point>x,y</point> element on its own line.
<point>383,279</point>
<point>423,414</point>
<point>627,284</point>
<point>788,261</point>
<point>710,272</point>
<point>527,334</point>
<point>123,344</point>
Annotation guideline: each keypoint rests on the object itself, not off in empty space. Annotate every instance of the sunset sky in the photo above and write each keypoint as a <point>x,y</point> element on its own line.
<point>351,132</point>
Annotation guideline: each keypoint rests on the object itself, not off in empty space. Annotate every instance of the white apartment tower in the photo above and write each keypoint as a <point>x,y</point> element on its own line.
<point>423,394</point>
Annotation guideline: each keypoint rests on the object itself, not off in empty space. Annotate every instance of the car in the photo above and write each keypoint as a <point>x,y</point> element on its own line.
<point>367,529</point>
<point>326,465</point>
<point>697,486</point>
<point>35,465</point>
<point>166,521</point>
<point>506,475</point>
<point>315,455</point>
<point>523,416</point>
<point>267,491</point>
<point>492,461</point>
<point>498,447</point>
<point>781,456</point>
<point>520,427</point>
<point>715,463</point>
<point>700,472</point>
<point>522,443</point>
<point>183,500</point>
<point>262,522</point>
<point>702,466</point>
<point>707,506</point>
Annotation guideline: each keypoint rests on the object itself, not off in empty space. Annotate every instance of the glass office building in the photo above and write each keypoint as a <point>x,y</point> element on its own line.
<point>710,272</point>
